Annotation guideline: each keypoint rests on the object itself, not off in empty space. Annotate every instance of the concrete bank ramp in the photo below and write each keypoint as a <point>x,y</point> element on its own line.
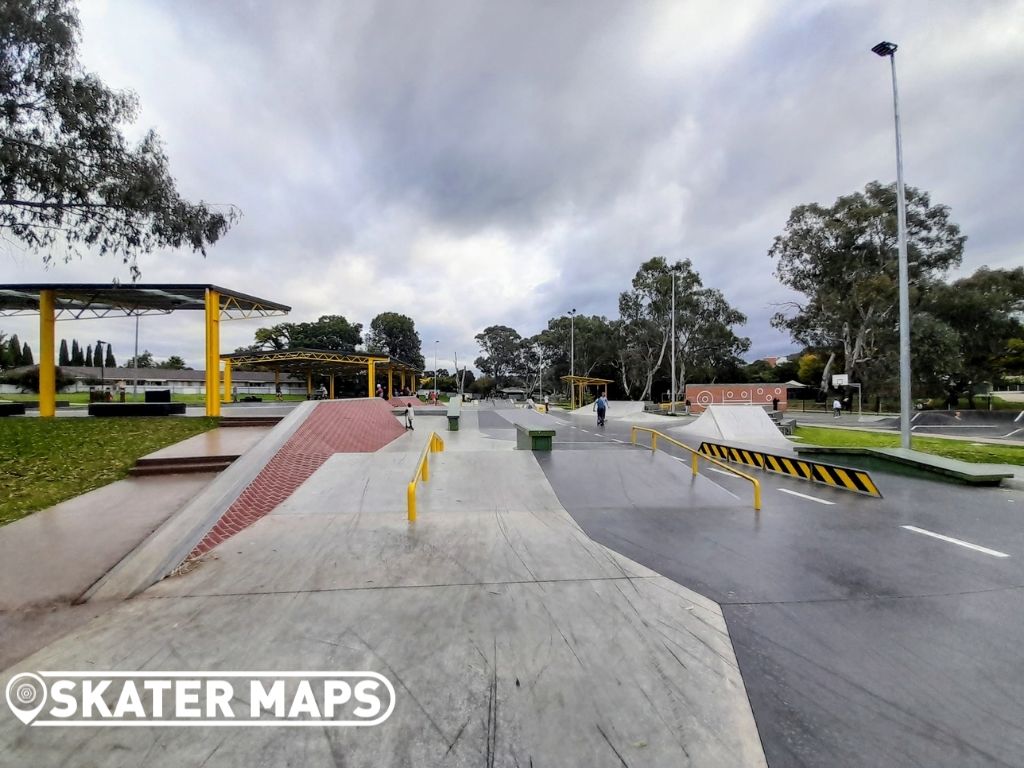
<point>735,424</point>
<point>510,637</point>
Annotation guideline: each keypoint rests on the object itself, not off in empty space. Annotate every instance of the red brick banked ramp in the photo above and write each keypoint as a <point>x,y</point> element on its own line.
<point>347,426</point>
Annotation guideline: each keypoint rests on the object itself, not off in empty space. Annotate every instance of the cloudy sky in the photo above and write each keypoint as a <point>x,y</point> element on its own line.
<point>486,162</point>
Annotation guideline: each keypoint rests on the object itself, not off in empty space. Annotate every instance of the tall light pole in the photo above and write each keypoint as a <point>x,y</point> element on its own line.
<point>889,49</point>
<point>572,356</point>
<point>436,342</point>
<point>672,388</point>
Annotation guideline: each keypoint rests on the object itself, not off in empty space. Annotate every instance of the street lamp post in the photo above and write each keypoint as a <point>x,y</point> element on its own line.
<point>572,356</point>
<point>436,342</point>
<point>889,49</point>
<point>672,388</point>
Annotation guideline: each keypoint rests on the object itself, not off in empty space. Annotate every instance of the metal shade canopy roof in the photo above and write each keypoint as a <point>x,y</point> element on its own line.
<point>77,300</point>
<point>320,358</point>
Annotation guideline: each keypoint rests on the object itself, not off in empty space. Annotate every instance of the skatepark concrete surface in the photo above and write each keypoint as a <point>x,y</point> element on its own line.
<point>732,424</point>
<point>511,637</point>
<point>617,409</point>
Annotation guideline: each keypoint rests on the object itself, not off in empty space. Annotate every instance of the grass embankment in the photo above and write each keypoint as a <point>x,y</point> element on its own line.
<point>45,461</point>
<point>982,453</point>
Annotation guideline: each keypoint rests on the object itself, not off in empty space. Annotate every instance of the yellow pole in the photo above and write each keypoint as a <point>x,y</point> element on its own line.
<point>212,353</point>
<point>401,375</point>
<point>47,372</point>
<point>391,383</point>
<point>414,383</point>
<point>371,377</point>
<point>332,387</point>
<point>227,382</point>
<point>693,461</point>
<point>410,497</point>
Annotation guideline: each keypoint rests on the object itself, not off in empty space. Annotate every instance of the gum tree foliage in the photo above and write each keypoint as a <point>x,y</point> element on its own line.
<point>70,182</point>
<point>705,341</point>
<point>502,351</point>
<point>332,332</point>
<point>843,260</point>
<point>978,316</point>
<point>395,334</point>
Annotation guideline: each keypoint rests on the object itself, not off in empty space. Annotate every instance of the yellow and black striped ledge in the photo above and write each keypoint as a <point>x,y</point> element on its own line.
<point>848,479</point>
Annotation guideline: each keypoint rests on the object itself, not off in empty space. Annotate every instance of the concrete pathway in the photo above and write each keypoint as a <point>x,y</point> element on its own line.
<point>222,441</point>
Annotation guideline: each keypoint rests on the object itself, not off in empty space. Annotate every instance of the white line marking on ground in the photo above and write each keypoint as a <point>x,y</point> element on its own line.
<point>805,496</point>
<point>958,542</point>
<point>721,471</point>
<point>1011,434</point>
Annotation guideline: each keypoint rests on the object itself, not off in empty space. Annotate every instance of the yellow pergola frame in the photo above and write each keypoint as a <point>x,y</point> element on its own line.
<point>581,383</point>
<point>75,301</point>
<point>328,360</point>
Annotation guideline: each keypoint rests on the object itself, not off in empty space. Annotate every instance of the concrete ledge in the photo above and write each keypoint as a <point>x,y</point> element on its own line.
<point>913,463</point>
<point>12,409</point>
<point>164,550</point>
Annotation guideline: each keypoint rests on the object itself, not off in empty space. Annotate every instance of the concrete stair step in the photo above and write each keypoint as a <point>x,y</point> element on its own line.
<point>179,467</point>
<point>250,421</point>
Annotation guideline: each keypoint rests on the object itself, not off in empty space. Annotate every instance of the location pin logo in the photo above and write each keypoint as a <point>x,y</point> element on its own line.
<point>26,696</point>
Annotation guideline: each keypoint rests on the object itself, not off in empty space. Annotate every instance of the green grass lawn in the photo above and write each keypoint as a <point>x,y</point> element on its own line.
<point>986,453</point>
<point>45,461</point>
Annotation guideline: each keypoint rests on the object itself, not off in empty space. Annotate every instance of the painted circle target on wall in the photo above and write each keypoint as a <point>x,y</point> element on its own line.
<point>704,398</point>
<point>760,390</point>
<point>729,395</point>
<point>778,390</point>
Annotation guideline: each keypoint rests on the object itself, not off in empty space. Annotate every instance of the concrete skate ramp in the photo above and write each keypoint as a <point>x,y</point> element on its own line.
<point>736,424</point>
<point>616,408</point>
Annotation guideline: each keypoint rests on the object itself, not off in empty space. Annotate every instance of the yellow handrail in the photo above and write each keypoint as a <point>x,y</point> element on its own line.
<point>695,456</point>
<point>434,445</point>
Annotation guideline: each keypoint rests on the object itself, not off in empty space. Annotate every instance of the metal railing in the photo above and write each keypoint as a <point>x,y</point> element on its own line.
<point>695,457</point>
<point>434,445</point>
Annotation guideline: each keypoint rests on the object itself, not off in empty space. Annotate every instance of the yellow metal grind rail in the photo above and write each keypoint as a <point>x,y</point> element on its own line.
<point>695,457</point>
<point>434,445</point>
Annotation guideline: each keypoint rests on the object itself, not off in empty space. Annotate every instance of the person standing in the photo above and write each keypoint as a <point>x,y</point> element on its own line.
<point>409,414</point>
<point>837,408</point>
<point>601,406</point>
<point>547,404</point>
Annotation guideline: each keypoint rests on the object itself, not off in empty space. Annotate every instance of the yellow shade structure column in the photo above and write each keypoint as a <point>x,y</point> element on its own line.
<point>227,382</point>
<point>212,352</point>
<point>401,376</point>
<point>371,378</point>
<point>414,383</point>
<point>331,393</point>
<point>47,373</point>
<point>391,384</point>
